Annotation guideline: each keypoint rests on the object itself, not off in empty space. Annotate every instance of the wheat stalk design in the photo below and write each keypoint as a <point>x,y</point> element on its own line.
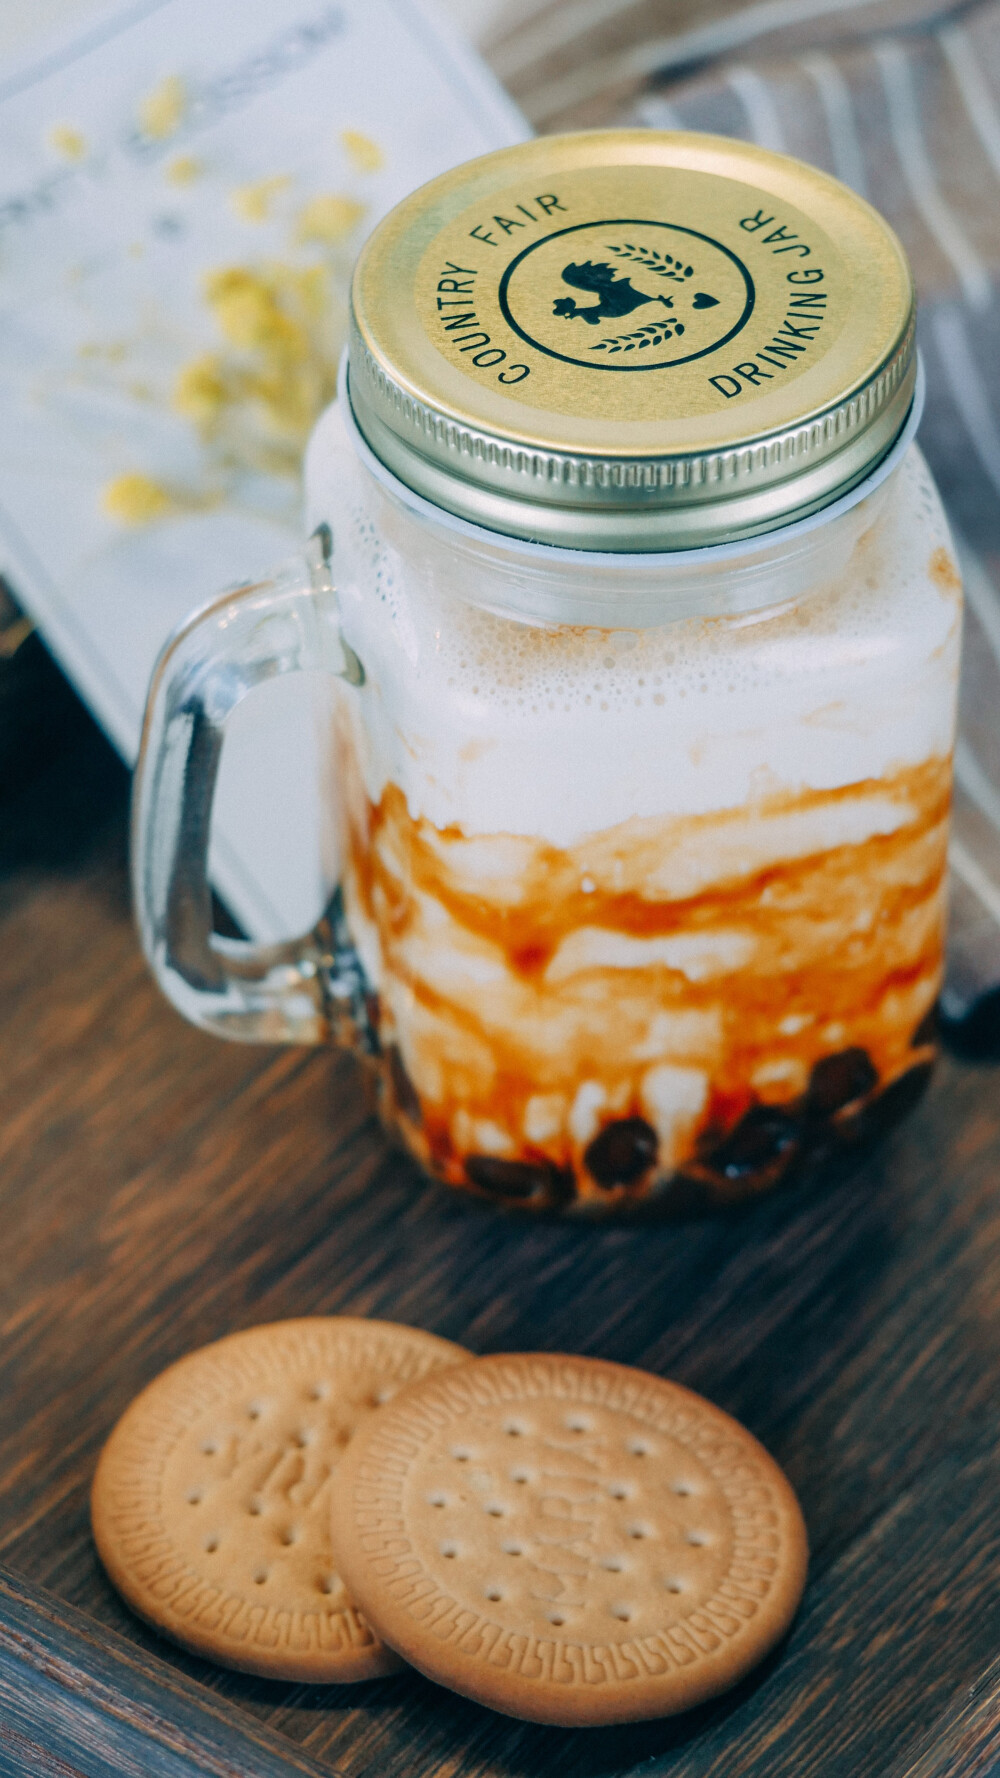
<point>655,333</point>
<point>664,264</point>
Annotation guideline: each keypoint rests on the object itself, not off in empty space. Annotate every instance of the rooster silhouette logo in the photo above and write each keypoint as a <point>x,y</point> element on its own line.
<point>616,296</point>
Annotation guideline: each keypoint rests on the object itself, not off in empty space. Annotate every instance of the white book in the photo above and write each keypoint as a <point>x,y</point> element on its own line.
<point>183,189</point>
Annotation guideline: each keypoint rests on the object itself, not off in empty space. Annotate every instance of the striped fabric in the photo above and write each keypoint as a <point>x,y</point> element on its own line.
<point>901,100</point>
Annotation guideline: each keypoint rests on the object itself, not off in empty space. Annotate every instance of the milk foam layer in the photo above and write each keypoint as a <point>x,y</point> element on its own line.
<point>498,726</point>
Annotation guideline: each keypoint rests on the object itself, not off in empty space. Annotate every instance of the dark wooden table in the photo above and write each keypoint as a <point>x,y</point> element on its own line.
<point>159,1189</point>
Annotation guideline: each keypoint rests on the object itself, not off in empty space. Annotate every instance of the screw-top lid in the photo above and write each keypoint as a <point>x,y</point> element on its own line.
<point>632,340</point>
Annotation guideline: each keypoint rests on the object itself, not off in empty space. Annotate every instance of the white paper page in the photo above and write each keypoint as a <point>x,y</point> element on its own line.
<point>183,188</point>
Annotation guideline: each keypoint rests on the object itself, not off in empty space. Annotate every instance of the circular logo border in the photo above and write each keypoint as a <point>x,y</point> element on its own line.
<point>627,222</point>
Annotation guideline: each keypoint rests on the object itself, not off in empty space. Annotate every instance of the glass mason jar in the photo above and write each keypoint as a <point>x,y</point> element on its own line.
<point>645,685</point>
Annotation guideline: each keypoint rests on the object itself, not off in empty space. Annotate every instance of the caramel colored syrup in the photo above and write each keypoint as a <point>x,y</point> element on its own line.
<point>663,977</point>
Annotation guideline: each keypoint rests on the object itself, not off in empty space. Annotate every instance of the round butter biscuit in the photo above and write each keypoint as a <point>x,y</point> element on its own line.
<point>212,1498</point>
<point>567,1540</point>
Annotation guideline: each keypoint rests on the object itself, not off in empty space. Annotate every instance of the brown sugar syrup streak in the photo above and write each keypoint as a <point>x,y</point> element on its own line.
<point>788,961</point>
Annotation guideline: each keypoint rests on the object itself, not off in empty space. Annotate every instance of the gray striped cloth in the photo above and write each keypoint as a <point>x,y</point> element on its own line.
<point>901,100</point>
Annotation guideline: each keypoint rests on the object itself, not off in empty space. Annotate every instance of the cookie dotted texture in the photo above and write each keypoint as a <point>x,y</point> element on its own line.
<point>568,1540</point>
<point>212,1498</point>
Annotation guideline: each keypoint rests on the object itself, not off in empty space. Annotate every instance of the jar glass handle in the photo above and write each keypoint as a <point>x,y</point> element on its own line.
<point>302,991</point>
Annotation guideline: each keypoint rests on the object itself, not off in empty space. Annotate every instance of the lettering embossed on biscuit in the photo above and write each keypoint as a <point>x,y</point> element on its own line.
<point>567,1540</point>
<point>212,1499</point>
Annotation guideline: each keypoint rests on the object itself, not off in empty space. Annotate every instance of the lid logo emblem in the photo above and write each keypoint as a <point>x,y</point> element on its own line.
<point>687,298</point>
<point>617,296</point>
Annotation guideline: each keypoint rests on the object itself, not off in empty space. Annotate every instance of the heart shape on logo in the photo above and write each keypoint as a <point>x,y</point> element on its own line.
<point>702,301</point>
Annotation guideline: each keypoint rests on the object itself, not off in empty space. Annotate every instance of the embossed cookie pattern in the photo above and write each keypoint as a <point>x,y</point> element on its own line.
<point>212,1499</point>
<point>568,1540</point>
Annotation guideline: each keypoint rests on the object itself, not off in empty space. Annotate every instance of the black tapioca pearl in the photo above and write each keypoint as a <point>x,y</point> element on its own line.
<point>761,1147</point>
<point>928,1029</point>
<point>880,1113</point>
<point>839,1080</point>
<point>403,1090</point>
<point>901,1095</point>
<point>520,1182</point>
<point>622,1153</point>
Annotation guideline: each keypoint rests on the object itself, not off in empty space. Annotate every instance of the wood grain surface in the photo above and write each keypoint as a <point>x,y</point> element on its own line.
<point>74,1697</point>
<point>160,1188</point>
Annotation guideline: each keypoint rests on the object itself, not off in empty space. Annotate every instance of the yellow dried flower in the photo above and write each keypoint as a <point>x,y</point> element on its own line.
<point>329,219</point>
<point>70,143</point>
<point>311,287</point>
<point>185,169</point>
<point>201,389</point>
<point>255,202</point>
<point>366,154</point>
<point>135,499</point>
<point>249,311</point>
<point>161,112</point>
<point>257,398</point>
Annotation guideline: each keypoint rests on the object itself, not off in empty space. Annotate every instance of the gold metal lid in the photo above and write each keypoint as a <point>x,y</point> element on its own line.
<point>632,340</point>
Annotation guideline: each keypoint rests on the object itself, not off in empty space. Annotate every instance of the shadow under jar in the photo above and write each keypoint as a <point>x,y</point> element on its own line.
<point>645,626</point>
